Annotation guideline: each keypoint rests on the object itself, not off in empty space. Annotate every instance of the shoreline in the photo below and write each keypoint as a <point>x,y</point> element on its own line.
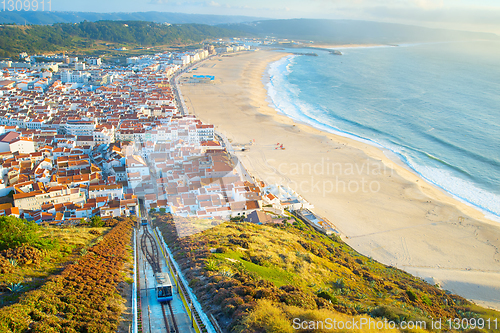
<point>390,154</point>
<point>393,162</point>
<point>408,223</point>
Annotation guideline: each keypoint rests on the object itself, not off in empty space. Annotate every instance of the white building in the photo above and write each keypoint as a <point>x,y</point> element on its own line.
<point>132,60</point>
<point>75,77</point>
<point>182,60</point>
<point>66,76</point>
<point>22,145</point>
<point>57,195</point>
<point>94,61</point>
<point>186,59</point>
<point>46,65</point>
<point>205,132</point>
<point>104,135</point>
<point>80,77</point>
<point>111,191</point>
<point>79,66</point>
<point>5,63</point>
<point>80,127</point>
<point>136,164</point>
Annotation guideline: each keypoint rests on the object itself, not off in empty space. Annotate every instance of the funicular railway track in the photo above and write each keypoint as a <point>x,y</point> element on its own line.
<point>194,312</point>
<point>171,324</point>
<point>150,250</point>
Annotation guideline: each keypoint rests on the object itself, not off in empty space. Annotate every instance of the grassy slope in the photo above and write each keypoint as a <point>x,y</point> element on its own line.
<point>91,294</point>
<point>31,276</point>
<point>287,268</point>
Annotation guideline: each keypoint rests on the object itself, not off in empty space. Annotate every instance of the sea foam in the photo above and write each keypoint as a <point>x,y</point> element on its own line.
<point>289,99</point>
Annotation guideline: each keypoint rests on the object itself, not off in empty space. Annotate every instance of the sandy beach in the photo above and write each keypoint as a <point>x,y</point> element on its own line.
<point>380,207</point>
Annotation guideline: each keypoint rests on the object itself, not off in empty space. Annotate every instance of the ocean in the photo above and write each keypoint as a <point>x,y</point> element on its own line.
<point>436,106</point>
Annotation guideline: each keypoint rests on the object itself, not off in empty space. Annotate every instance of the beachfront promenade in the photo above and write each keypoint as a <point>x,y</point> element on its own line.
<point>240,168</point>
<point>179,101</point>
<point>181,105</point>
<point>174,82</point>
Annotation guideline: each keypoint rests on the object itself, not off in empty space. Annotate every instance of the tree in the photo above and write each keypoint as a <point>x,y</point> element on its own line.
<point>96,222</point>
<point>16,232</point>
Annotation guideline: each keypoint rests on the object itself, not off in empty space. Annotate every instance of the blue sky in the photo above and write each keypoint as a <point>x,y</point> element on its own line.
<point>473,15</point>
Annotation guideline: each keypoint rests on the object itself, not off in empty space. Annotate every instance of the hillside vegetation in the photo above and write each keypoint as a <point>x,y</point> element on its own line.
<point>30,253</point>
<point>85,296</point>
<point>258,278</point>
<point>64,36</point>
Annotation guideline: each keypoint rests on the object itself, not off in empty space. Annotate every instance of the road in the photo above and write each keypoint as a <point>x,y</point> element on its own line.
<point>238,165</point>
<point>179,101</point>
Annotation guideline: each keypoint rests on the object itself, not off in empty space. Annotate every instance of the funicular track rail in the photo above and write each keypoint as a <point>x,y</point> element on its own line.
<point>150,250</point>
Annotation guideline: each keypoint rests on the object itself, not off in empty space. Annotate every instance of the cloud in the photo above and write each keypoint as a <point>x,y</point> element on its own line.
<point>474,15</point>
<point>445,15</point>
<point>429,4</point>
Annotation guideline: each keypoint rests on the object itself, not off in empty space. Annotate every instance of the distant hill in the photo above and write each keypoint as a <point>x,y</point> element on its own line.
<point>39,17</point>
<point>353,32</point>
<point>65,36</point>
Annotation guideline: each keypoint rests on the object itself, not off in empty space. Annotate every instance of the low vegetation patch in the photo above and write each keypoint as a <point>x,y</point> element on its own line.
<point>83,298</point>
<point>31,253</point>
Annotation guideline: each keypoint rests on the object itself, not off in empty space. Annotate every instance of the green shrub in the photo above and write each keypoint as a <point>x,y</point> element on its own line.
<point>338,284</point>
<point>16,232</point>
<point>96,222</point>
<point>15,287</point>
<point>411,295</point>
<point>261,260</point>
<point>329,297</point>
<point>241,242</point>
<point>266,316</point>
<point>211,265</point>
<point>226,272</point>
<point>390,313</point>
<point>426,300</point>
<point>221,249</point>
<point>194,282</point>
